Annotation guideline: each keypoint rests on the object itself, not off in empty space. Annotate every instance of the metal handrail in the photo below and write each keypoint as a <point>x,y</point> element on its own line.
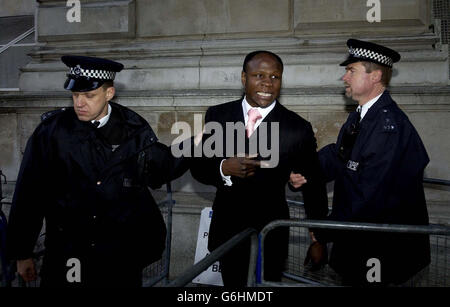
<point>170,203</point>
<point>337,225</point>
<point>17,39</point>
<point>206,262</point>
<point>434,229</point>
<point>3,221</point>
<point>1,191</point>
<point>436,181</point>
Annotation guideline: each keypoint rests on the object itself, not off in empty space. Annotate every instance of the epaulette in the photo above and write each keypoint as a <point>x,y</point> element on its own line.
<point>51,114</point>
<point>389,124</point>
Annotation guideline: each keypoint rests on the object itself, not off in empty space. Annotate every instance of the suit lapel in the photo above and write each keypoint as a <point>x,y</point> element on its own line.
<point>237,113</point>
<point>265,129</point>
<point>237,116</point>
<point>273,116</point>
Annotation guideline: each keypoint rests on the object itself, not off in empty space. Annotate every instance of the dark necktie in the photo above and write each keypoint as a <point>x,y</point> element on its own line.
<point>358,111</point>
<point>96,124</point>
<point>349,137</point>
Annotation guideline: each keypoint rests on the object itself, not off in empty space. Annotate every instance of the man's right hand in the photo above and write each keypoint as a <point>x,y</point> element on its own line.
<point>26,269</point>
<point>240,166</point>
<point>297,180</point>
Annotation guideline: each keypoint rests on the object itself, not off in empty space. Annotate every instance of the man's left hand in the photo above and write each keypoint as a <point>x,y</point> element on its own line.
<point>317,254</point>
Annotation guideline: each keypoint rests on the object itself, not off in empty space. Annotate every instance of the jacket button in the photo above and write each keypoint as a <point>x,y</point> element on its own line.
<point>92,244</point>
<point>99,182</point>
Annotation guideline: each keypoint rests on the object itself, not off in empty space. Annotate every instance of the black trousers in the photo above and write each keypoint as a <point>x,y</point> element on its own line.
<point>234,265</point>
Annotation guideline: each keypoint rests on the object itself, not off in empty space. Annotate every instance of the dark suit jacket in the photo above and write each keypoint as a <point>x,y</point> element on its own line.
<point>385,187</point>
<point>258,200</point>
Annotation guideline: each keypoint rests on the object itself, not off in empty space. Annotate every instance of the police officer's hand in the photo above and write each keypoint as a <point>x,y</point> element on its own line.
<point>297,180</point>
<point>240,166</point>
<point>26,269</point>
<point>317,254</point>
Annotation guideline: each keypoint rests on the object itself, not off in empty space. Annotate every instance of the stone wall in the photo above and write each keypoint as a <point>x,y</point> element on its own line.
<point>16,8</point>
<point>182,56</point>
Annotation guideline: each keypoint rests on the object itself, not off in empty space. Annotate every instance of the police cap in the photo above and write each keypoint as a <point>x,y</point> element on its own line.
<point>89,73</point>
<point>370,52</point>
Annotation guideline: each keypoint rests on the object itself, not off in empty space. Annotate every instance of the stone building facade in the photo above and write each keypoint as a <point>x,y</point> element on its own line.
<point>182,56</point>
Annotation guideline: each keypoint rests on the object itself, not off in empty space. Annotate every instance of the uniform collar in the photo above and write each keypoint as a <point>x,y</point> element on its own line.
<point>104,119</point>
<point>365,107</point>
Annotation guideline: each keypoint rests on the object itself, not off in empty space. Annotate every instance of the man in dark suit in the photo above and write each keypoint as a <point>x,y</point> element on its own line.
<point>251,186</point>
<point>377,164</point>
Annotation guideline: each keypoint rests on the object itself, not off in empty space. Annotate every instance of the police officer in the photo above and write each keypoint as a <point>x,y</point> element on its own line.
<point>377,164</point>
<point>86,170</point>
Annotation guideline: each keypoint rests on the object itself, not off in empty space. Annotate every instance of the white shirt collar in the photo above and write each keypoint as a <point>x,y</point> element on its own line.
<point>104,119</point>
<point>365,107</point>
<point>263,111</point>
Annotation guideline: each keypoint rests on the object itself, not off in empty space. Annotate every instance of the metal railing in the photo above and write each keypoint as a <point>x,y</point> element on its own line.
<point>204,264</point>
<point>159,271</point>
<point>436,181</point>
<point>218,253</point>
<point>13,61</point>
<point>335,225</point>
<point>5,268</point>
<point>16,40</point>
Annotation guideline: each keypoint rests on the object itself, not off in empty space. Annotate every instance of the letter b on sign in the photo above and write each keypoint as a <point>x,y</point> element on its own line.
<point>374,273</point>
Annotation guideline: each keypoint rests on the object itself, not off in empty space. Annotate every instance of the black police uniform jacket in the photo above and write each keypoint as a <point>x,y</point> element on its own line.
<point>258,200</point>
<point>380,181</point>
<point>95,202</point>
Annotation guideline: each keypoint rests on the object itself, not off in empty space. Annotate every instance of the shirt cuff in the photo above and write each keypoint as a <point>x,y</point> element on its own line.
<point>226,179</point>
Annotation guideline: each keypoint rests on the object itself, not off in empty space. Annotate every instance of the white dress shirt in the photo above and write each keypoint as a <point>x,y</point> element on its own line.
<point>365,107</point>
<point>245,108</point>
<point>104,119</point>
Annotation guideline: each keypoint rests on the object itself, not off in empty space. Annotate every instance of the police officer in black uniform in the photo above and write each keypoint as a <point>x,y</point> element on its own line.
<point>86,170</point>
<point>377,164</point>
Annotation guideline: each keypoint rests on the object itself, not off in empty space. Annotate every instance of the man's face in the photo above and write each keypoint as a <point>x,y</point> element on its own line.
<point>358,83</point>
<point>262,81</point>
<point>92,105</point>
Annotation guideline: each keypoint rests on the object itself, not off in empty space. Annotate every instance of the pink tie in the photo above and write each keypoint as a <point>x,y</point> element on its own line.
<point>253,116</point>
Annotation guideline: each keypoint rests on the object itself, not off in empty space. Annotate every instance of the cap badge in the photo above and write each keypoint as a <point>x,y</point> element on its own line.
<point>77,71</point>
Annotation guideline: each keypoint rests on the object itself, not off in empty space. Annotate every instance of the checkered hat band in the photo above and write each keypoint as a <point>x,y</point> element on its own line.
<point>368,54</point>
<point>92,73</point>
